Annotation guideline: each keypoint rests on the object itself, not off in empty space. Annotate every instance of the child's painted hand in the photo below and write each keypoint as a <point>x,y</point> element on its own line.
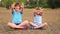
<point>38,11</point>
<point>22,6</point>
<point>12,6</point>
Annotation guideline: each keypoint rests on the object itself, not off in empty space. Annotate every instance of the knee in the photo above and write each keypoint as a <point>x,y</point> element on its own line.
<point>45,23</point>
<point>26,21</point>
<point>8,24</point>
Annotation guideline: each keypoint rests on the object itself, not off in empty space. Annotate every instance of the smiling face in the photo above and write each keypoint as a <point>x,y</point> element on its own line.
<point>17,6</point>
<point>38,10</point>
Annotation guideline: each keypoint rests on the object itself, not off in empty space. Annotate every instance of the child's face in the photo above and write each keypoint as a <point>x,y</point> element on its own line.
<point>17,8</point>
<point>38,10</point>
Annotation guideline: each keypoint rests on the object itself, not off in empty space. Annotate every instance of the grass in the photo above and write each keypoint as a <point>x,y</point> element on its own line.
<point>51,16</point>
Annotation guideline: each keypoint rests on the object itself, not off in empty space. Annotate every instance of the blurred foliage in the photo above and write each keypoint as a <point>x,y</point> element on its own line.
<point>33,3</point>
<point>7,3</point>
<point>53,3</point>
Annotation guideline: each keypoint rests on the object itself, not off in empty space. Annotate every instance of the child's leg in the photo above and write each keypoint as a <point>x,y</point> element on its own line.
<point>13,25</point>
<point>42,25</point>
<point>35,26</point>
<point>25,23</point>
<point>31,23</point>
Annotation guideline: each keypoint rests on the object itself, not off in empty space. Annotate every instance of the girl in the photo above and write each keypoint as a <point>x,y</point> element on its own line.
<point>38,19</point>
<point>17,11</point>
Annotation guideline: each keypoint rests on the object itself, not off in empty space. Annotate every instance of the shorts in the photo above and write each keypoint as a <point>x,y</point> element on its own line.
<point>17,23</point>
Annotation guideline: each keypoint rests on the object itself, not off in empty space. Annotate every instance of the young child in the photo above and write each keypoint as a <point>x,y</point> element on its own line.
<point>17,11</point>
<point>38,19</point>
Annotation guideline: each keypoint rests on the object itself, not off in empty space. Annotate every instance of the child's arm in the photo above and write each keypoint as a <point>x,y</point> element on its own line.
<point>12,7</point>
<point>34,12</point>
<point>41,11</point>
<point>38,12</point>
<point>22,8</point>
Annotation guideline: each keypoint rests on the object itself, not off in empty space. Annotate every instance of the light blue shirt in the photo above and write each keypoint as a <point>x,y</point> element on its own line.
<point>17,16</point>
<point>38,20</point>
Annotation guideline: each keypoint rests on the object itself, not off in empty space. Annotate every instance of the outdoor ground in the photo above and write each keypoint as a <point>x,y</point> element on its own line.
<point>51,16</point>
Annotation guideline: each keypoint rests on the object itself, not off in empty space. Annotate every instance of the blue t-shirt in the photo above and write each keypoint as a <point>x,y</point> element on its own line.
<point>17,16</point>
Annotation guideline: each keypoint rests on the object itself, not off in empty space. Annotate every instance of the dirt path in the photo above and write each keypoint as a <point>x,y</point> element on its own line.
<point>52,16</point>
